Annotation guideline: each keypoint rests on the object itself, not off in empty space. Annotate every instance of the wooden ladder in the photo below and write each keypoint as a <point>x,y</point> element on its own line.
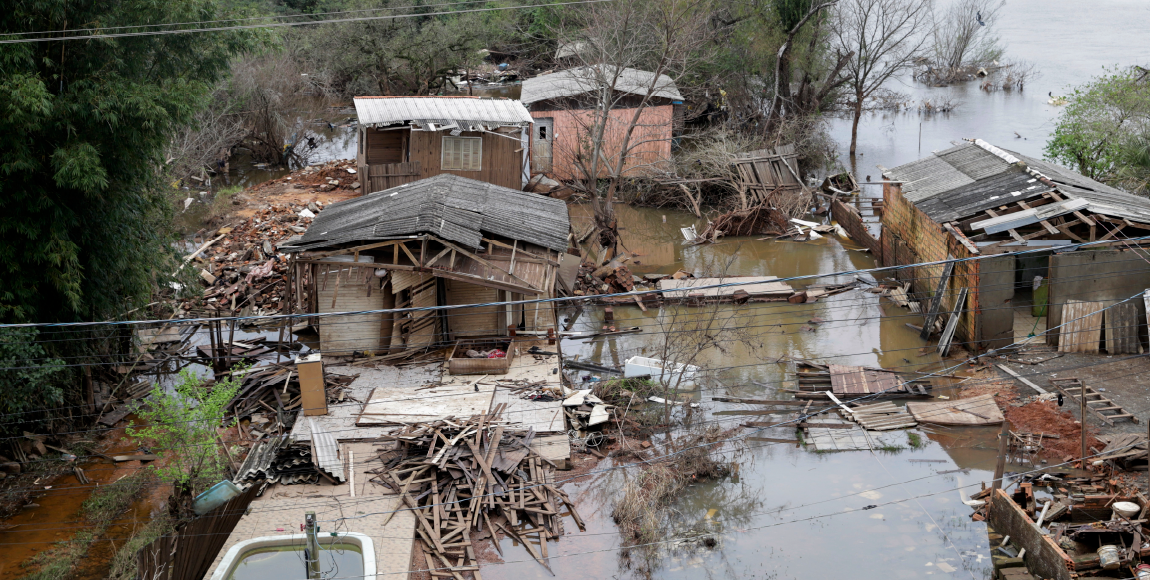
<point>1103,408</point>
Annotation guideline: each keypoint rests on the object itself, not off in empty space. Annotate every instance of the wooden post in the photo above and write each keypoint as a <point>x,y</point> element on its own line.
<point>1000,466</point>
<point>1082,421</point>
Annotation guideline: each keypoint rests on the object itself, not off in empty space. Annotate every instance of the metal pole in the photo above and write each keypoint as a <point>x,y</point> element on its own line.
<point>313,570</point>
<point>1082,421</point>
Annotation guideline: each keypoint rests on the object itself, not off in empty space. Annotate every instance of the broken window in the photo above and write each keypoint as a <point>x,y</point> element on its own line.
<point>462,154</point>
<point>543,132</point>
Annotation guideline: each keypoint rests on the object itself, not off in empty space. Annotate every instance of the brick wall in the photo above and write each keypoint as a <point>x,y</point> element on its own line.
<point>1043,557</point>
<point>849,218</point>
<point>927,241</point>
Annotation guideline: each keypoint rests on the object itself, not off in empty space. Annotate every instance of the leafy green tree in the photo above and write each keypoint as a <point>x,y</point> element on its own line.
<point>183,423</point>
<point>29,381</point>
<point>84,221</point>
<point>1102,131</point>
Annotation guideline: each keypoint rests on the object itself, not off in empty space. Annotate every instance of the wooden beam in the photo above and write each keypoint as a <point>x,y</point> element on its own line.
<point>961,238</point>
<point>1113,232</point>
<point>355,250</point>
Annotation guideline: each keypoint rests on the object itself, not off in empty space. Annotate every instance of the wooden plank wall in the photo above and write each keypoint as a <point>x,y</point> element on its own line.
<point>385,146</point>
<point>651,141</point>
<point>465,322</point>
<point>502,157</point>
<point>344,289</point>
<point>389,175</point>
<point>188,553</point>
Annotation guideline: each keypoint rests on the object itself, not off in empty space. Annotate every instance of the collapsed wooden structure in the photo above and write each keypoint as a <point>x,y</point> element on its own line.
<point>466,479</point>
<point>976,200</point>
<point>814,380</point>
<point>443,241</point>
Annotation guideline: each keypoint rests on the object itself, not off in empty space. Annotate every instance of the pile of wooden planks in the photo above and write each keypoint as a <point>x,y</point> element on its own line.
<point>980,410</point>
<point>881,416</point>
<point>1125,449</point>
<point>464,479</point>
<point>271,394</point>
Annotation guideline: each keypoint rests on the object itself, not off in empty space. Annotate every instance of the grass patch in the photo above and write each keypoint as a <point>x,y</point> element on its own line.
<point>916,441</point>
<point>98,512</point>
<point>124,562</point>
<point>222,202</point>
<point>891,448</point>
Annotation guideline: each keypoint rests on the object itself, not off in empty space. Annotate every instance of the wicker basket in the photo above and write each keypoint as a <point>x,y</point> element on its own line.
<point>460,364</point>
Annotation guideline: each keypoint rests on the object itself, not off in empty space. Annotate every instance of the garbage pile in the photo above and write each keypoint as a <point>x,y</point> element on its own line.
<point>241,266</point>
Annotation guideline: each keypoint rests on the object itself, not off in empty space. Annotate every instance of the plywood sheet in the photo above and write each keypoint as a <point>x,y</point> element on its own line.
<point>1123,323</point>
<point>397,406</point>
<point>848,380</point>
<point>350,289</point>
<point>753,285</point>
<point>1082,326</point>
<point>980,410</point>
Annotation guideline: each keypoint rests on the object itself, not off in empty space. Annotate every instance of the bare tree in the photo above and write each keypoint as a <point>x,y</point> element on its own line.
<point>660,37</point>
<point>885,36</point>
<point>963,36</point>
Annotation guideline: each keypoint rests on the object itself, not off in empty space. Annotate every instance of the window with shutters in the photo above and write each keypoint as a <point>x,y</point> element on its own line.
<point>462,154</point>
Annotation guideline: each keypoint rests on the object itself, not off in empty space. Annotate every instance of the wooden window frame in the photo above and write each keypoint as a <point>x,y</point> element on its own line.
<point>476,165</point>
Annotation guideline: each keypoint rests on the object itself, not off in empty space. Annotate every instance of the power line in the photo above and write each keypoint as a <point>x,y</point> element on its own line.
<point>293,24</point>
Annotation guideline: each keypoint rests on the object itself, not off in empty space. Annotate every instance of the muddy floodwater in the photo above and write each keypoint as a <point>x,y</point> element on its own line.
<point>790,512</point>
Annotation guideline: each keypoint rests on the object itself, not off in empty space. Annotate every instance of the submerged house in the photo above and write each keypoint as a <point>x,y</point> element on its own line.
<point>405,139</point>
<point>563,106</point>
<point>977,200</point>
<point>445,240</point>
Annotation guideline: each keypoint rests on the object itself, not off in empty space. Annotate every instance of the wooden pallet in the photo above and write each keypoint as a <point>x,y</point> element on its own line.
<point>1103,408</point>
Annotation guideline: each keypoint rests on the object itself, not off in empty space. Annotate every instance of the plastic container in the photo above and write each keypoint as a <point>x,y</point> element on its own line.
<point>216,496</point>
<point>675,374</point>
<point>1142,572</point>
<point>1108,557</point>
<point>1126,509</point>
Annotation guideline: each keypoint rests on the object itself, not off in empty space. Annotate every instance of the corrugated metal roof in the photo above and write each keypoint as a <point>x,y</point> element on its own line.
<point>578,81</point>
<point>988,193</point>
<point>325,451</point>
<point>448,206</point>
<point>970,178</point>
<point>927,177</point>
<point>442,113</point>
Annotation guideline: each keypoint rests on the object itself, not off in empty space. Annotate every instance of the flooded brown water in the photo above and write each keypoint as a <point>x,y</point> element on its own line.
<point>791,513</point>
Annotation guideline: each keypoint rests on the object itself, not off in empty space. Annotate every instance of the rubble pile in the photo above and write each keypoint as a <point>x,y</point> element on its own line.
<point>338,174</point>
<point>242,268</point>
<point>616,277</point>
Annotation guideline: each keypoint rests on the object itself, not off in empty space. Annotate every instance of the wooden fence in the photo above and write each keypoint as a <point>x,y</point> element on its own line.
<point>188,553</point>
<point>383,176</point>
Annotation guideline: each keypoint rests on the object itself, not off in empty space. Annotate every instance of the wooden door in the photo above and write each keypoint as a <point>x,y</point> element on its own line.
<point>543,135</point>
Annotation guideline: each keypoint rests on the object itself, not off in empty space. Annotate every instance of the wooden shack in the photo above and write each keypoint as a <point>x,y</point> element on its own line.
<point>565,104</point>
<point>405,139</point>
<point>442,241</point>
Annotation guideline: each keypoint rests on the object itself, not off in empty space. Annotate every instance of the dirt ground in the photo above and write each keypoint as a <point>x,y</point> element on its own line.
<point>301,187</point>
<point>1125,379</point>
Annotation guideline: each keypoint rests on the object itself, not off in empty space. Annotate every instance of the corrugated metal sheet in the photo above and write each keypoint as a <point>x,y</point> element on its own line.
<point>442,113</point>
<point>325,451</point>
<point>927,177</point>
<point>973,161</point>
<point>987,193</point>
<point>1030,216</point>
<point>448,206</point>
<point>582,80</point>
<point>967,179</point>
